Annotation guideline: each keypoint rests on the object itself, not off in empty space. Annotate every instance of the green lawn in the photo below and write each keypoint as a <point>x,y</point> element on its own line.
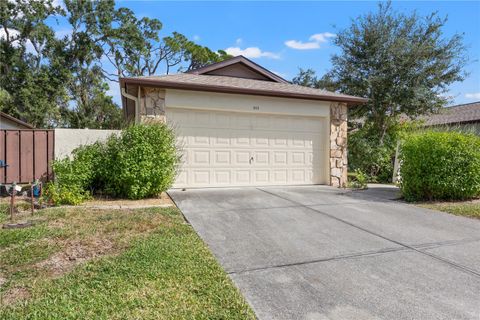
<point>112,264</point>
<point>468,209</point>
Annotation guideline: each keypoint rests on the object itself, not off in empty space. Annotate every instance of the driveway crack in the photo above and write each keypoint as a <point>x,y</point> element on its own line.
<point>334,258</point>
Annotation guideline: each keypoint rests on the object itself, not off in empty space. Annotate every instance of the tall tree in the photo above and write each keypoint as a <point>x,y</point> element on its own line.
<point>48,81</point>
<point>403,63</point>
<point>309,78</point>
<point>133,46</point>
<point>89,105</point>
<point>306,78</point>
<point>32,69</point>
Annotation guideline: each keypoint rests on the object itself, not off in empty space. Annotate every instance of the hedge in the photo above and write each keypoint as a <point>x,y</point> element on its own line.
<point>440,166</point>
<point>140,163</point>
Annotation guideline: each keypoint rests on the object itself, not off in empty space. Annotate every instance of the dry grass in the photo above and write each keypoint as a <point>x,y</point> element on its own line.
<point>80,262</point>
<point>469,209</point>
<point>163,199</point>
<point>68,237</point>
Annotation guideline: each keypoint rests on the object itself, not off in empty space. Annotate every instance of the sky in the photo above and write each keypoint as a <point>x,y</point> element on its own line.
<point>284,36</point>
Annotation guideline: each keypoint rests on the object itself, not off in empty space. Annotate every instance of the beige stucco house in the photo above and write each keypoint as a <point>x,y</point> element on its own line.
<point>241,125</point>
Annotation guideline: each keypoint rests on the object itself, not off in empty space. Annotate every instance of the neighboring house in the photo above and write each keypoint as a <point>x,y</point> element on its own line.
<point>242,125</point>
<point>463,117</point>
<point>9,122</point>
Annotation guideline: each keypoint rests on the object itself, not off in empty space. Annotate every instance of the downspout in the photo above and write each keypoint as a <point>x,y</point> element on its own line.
<point>136,100</point>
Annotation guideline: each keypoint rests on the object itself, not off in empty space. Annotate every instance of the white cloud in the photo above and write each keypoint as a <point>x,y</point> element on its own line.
<point>314,41</point>
<point>322,37</point>
<point>238,41</point>
<point>299,45</point>
<point>251,52</point>
<point>474,95</point>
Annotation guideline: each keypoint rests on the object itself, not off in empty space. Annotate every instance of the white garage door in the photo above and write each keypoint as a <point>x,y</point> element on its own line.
<point>244,149</point>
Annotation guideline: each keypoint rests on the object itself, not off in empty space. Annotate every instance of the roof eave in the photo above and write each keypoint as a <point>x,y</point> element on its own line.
<point>18,121</point>
<point>224,89</point>
<point>452,123</point>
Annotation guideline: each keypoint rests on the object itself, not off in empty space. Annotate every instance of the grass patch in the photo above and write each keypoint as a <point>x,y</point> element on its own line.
<point>114,264</point>
<point>10,237</point>
<point>26,254</point>
<point>467,209</point>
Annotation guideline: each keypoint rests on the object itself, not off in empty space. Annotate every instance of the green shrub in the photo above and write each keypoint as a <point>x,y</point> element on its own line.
<point>440,165</point>
<point>367,154</point>
<point>82,168</point>
<point>59,194</point>
<point>75,177</point>
<point>139,163</point>
<point>357,180</point>
<point>142,162</point>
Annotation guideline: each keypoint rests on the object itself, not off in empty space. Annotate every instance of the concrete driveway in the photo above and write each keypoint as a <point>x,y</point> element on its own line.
<point>315,252</point>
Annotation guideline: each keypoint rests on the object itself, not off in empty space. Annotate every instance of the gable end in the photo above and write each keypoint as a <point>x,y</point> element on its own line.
<point>239,67</point>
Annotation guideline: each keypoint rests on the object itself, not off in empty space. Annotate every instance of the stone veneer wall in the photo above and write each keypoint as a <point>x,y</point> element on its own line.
<point>338,144</point>
<point>152,105</point>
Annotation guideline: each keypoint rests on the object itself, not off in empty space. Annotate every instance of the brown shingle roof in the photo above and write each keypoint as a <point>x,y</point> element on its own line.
<point>186,81</point>
<point>469,112</point>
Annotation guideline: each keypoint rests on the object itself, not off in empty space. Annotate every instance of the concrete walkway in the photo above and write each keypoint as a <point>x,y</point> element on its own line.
<point>315,252</point>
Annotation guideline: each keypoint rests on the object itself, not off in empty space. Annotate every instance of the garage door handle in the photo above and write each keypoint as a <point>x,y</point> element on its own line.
<point>251,160</point>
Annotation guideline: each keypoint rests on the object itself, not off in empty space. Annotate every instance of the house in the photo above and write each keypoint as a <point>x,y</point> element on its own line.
<point>9,122</point>
<point>463,117</point>
<point>240,124</point>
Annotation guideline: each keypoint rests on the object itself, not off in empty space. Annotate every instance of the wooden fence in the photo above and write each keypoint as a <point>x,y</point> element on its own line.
<point>28,155</point>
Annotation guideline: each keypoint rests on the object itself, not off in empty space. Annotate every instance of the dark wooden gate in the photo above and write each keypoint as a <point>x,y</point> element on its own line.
<point>28,155</point>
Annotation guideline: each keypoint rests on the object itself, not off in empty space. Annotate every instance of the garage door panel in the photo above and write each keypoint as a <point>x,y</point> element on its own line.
<point>298,175</point>
<point>280,142</point>
<point>223,177</point>
<point>311,159</point>
<point>280,176</point>
<point>200,177</point>
<point>280,158</point>
<point>298,158</point>
<point>261,142</point>
<point>241,157</point>
<point>231,149</point>
<point>223,158</point>
<point>200,157</point>
<point>221,139</point>
<point>262,157</point>
<point>243,177</point>
<point>200,140</point>
<point>262,177</point>
<point>182,178</point>
<point>240,139</point>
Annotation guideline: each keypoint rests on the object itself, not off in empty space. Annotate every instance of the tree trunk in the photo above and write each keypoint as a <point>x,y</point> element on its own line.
<point>383,133</point>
